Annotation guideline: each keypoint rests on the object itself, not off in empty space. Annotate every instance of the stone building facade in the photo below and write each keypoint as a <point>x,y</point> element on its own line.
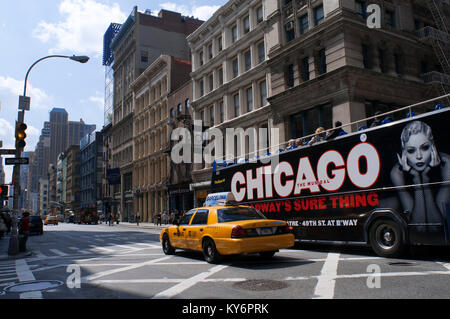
<point>152,133</point>
<point>293,65</point>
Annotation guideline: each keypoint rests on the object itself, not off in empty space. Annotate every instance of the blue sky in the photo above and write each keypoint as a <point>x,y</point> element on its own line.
<point>31,29</point>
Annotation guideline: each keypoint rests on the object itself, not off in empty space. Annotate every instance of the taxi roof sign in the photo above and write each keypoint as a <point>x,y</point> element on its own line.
<point>224,198</point>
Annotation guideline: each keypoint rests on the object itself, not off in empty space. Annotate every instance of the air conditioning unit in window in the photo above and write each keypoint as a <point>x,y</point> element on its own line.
<point>289,26</point>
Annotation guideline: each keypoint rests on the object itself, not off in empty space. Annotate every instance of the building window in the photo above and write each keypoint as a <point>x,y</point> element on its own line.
<point>180,108</point>
<point>259,14</point>
<point>306,122</point>
<point>318,15</point>
<point>382,60</point>
<point>305,68</point>
<point>234,33</point>
<point>321,62</point>
<point>248,60</point>
<point>187,105</point>
<point>249,93</point>
<point>219,44</point>
<point>360,8</point>
<point>289,31</point>
<point>261,52</point>
<point>390,18</point>
<point>202,91</point>
<point>221,111</point>
<point>211,82</point>
<point>235,68</point>
<point>303,23</point>
<point>144,56</point>
<point>210,51</point>
<point>365,54</point>
<point>211,116</point>
<point>246,24</point>
<point>290,75</point>
<point>201,57</point>
<point>172,113</point>
<point>220,73</point>
<point>237,111</point>
<point>263,93</point>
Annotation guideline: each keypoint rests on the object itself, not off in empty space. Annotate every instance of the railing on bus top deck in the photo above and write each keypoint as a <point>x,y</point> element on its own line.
<point>306,139</point>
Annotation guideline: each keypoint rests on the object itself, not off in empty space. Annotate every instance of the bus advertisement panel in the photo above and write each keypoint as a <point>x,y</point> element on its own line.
<point>387,186</point>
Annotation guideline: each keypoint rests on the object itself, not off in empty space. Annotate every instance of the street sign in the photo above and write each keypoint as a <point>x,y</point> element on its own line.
<point>8,152</point>
<point>17,161</point>
<point>24,103</point>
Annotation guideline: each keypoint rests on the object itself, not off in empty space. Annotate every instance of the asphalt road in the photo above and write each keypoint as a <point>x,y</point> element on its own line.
<point>122,262</point>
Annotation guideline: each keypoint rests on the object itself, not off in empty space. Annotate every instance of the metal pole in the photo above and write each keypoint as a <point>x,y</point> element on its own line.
<point>13,243</point>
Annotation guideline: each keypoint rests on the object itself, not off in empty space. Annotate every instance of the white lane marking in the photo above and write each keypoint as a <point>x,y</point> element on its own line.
<point>150,245</point>
<point>58,252</point>
<point>102,248</point>
<point>114,271</point>
<point>446,265</point>
<point>79,250</point>
<point>39,254</point>
<point>188,283</point>
<point>24,274</point>
<point>327,279</point>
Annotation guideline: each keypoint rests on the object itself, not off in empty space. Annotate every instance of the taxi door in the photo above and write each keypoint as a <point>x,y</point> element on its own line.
<point>178,238</point>
<point>196,229</point>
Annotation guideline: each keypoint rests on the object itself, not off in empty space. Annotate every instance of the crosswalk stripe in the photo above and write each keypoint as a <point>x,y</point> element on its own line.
<point>58,252</point>
<point>79,250</point>
<point>102,248</point>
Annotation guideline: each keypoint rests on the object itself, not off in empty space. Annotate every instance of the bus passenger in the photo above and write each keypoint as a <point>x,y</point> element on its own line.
<point>320,136</point>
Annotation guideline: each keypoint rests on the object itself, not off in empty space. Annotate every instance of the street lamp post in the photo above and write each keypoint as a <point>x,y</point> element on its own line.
<point>13,243</point>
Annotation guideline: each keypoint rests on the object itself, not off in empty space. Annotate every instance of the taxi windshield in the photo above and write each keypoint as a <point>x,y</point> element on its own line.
<point>238,213</point>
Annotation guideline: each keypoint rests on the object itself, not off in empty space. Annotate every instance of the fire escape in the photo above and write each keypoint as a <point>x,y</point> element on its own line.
<point>440,40</point>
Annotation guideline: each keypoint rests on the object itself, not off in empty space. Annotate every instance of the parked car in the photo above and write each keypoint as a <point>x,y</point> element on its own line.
<point>51,220</point>
<point>36,225</point>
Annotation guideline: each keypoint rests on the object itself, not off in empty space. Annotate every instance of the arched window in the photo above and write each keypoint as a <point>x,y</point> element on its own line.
<point>187,104</point>
<point>180,108</point>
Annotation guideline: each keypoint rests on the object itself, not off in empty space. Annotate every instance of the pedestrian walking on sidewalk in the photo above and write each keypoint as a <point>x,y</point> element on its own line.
<point>165,218</point>
<point>138,217</point>
<point>158,219</point>
<point>24,231</point>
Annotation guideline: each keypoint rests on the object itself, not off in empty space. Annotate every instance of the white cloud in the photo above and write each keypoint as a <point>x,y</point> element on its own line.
<point>39,99</point>
<point>82,30</point>
<point>201,12</point>
<point>100,101</point>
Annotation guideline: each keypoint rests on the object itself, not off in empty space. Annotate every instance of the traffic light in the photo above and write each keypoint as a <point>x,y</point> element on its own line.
<point>20,135</point>
<point>3,190</point>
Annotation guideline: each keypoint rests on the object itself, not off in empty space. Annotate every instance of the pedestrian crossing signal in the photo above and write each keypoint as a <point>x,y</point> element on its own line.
<point>3,190</point>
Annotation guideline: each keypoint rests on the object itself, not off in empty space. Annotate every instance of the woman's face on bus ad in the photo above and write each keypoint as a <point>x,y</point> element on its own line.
<point>418,151</point>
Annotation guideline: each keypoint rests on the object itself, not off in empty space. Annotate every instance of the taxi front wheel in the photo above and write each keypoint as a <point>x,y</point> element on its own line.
<point>167,247</point>
<point>210,252</point>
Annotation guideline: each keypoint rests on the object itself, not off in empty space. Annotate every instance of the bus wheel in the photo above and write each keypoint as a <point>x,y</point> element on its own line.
<point>386,238</point>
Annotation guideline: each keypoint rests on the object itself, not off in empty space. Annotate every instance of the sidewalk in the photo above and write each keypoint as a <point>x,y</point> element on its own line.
<point>141,225</point>
<point>4,246</point>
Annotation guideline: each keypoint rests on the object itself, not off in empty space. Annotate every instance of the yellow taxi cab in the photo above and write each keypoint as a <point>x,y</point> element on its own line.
<point>221,228</point>
<point>51,220</point>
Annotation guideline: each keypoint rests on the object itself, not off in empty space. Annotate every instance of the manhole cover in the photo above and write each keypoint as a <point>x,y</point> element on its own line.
<point>402,263</point>
<point>28,286</point>
<point>261,285</point>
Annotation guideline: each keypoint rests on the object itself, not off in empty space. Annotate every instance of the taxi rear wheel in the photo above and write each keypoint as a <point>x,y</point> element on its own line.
<point>210,252</point>
<point>167,247</point>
